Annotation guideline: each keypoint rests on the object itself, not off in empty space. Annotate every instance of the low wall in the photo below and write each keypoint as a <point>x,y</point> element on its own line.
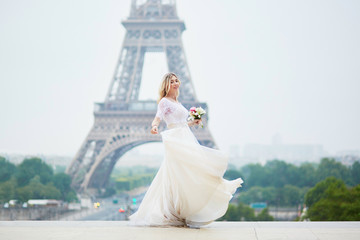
<point>31,213</point>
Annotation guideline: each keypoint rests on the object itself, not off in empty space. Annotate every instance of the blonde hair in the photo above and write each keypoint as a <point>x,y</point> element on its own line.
<point>165,85</point>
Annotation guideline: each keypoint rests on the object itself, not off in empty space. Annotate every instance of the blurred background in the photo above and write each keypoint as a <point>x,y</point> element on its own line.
<point>281,79</point>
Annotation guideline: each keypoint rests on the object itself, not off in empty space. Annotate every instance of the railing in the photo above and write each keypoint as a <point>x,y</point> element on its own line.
<point>139,106</point>
<point>121,106</point>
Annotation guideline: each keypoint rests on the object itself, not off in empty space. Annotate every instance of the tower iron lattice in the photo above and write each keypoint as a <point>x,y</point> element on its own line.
<point>122,121</point>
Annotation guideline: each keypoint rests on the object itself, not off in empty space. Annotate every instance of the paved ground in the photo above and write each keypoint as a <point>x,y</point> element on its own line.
<point>108,230</point>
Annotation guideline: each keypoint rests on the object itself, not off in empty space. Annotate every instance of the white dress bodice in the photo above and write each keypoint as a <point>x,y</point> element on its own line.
<point>171,112</point>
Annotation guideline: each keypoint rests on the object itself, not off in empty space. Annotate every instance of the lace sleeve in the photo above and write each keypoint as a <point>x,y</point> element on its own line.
<point>163,108</point>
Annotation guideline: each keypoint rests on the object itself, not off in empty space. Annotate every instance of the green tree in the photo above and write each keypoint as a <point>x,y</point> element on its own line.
<point>264,215</point>
<point>282,173</point>
<point>246,213</point>
<point>292,175</point>
<point>232,174</point>
<point>330,168</point>
<point>51,192</point>
<point>318,192</point>
<point>331,200</point>
<point>62,182</point>
<point>307,175</point>
<point>24,194</point>
<point>231,214</point>
<point>71,196</point>
<point>291,195</point>
<point>243,212</point>
<point>255,175</point>
<point>269,195</point>
<point>36,190</point>
<point>351,209</point>
<point>254,194</point>
<point>288,195</point>
<point>29,168</point>
<point>240,212</point>
<point>7,190</point>
<point>278,171</point>
<point>7,169</point>
<point>355,173</point>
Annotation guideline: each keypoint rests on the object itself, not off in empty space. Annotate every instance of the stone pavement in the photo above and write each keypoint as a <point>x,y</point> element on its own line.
<point>107,230</point>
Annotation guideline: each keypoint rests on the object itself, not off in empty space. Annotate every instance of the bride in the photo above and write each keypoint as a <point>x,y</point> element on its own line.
<point>188,189</point>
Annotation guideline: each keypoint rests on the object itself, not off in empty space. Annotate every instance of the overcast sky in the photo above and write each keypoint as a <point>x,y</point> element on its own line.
<point>264,68</point>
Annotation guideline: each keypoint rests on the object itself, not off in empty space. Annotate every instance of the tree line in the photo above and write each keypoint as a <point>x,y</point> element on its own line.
<point>128,178</point>
<point>285,184</point>
<point>243,212</point>
<point>332,200</point>
<point>33,179</point>
<point>330,190</point>
<point>277,173</point>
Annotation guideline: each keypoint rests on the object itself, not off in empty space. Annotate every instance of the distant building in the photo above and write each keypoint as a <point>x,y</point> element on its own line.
<point>288,152</point>
<point>348,157</point>
<point>53,160</point>
<point>235,155</point>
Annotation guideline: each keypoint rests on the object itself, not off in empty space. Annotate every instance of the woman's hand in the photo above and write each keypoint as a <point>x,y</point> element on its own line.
<point>197,121</point>
<point>194,122</point>
<point>154,125</point>
<point>154,130</point>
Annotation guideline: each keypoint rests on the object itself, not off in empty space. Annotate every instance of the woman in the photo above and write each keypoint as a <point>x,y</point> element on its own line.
<point>188,189</point>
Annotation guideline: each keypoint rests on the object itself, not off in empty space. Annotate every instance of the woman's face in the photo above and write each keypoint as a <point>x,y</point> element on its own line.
<point>174,84</point>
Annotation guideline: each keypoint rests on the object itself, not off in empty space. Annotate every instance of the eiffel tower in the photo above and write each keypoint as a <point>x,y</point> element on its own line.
<point>122,121</point>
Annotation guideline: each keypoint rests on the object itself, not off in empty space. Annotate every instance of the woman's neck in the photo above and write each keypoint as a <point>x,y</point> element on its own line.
<point>172,97</point>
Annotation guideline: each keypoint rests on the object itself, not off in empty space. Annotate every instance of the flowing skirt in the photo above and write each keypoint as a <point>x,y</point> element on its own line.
<point>188,189</point>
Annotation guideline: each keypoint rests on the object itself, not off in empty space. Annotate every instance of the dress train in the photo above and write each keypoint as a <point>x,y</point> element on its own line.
<point>188,189</point>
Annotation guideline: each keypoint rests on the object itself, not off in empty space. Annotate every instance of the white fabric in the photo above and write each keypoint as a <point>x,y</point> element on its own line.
<point>188,188</point>
<point>171,112</point>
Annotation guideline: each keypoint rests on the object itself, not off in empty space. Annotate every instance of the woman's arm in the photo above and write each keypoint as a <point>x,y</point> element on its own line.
<point>154,125</point>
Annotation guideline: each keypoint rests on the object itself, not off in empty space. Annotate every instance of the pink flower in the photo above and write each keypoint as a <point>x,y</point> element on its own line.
<point>193,109</point>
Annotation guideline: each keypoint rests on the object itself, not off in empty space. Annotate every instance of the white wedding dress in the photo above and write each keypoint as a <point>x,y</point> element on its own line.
<point>188,189</point>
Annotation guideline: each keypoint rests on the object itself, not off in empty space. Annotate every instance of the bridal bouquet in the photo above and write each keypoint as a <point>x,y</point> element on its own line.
<point>196,113</point>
